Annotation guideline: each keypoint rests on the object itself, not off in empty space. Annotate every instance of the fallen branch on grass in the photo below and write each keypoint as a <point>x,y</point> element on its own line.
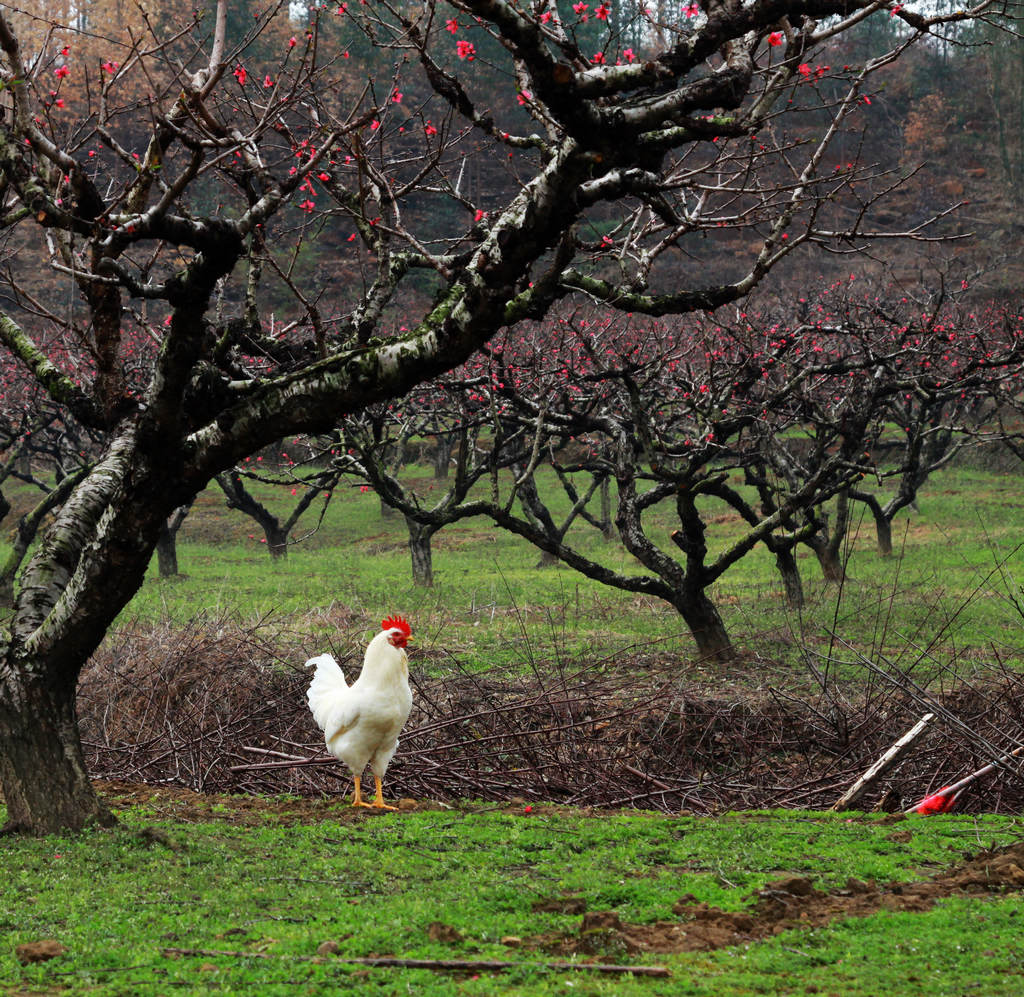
<point>453,965</point>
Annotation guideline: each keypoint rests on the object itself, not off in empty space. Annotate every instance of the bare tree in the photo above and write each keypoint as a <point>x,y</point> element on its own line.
<point>181,196</point>
<point>371,446</point>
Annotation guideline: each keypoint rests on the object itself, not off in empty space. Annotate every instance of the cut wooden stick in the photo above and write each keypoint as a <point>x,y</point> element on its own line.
<point>886,762</point>
<point>455,965</point>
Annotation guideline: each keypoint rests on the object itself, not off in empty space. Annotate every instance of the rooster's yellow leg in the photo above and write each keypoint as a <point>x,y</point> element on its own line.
<point>379,801</point>
<point>357,796</point>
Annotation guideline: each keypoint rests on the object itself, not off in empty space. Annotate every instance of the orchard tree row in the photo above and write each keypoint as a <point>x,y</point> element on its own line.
<point>852,396</point>
<point>859,400</point>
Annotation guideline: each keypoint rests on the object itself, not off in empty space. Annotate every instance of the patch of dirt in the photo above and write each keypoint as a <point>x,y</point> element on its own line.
<point>178,803</point>
<point>792,902</point>
<point>41,951</point>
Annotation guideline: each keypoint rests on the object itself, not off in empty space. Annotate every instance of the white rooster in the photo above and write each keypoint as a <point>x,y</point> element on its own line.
<point>361,721</point>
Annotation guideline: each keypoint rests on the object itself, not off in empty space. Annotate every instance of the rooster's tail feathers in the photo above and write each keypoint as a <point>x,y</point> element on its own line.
<point>328,682</point>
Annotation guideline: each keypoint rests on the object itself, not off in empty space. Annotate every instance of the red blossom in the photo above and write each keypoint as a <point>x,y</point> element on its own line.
<point>451,25</point>
<point>775,38</point>
<point>240,75</point>
<point>465,50</point>
<point>61,71</point>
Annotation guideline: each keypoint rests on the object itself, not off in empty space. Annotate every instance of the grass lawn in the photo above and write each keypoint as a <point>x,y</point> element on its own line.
<point>251,891</point>
<point>947,593</point>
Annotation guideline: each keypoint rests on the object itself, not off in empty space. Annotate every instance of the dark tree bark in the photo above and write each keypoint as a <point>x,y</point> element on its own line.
<point>789,571</point>
<point>419,548</point>
<point>607,526</point>
<point>707,627</point>
<point>238,497</point>
<point>881,519</point>
<point>444,446</point>
<point>827,541</point>
<point>39,731</point>
<point>167,543</point>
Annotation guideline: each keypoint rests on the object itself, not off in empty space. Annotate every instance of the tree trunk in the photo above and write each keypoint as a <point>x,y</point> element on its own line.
<point>167,542</point>
<point>442,457</point>
<point>419,548</point>
<point>277,541</point>
<point>39,734</point>
<point>786,562</point>
<point>706,626</point>
<point>607,526</point>
<point>239,498</point>
<point>883,530</point>
<point>832,569</point>
<point>167,554</point>
<point>85,569</point>
<point>827,544</point>
<point>882,519</point>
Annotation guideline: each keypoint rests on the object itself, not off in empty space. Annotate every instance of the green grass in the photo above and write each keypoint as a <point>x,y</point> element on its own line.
<point>117,898</point>
<point>950,582</point>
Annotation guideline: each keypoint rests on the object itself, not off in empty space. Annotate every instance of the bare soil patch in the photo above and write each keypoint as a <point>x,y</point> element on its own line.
<point>784,905</point>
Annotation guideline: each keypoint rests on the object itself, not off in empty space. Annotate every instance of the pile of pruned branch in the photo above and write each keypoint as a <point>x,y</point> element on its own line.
<point>217,706</point>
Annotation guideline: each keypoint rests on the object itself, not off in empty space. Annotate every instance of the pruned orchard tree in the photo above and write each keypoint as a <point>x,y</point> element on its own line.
<point>458,412</point>
<point>257,203</point>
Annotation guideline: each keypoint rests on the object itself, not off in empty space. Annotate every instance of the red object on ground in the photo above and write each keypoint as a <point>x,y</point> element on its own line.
<point>938,803</point>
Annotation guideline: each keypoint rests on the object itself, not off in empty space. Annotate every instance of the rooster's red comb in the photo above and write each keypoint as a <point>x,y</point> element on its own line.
<point>396,623</point>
